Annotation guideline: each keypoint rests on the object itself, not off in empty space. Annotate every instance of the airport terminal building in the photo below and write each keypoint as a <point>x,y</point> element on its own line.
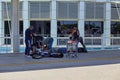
<point>97,20</point>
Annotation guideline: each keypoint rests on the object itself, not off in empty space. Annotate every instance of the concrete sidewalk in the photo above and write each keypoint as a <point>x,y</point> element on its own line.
<point>101,72</point>
<point>94,65</point>
<point>18,62</point>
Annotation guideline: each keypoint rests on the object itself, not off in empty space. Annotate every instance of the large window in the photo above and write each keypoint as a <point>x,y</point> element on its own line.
<point>93,28</point>
<point>64,28</point>
<point>7,10</point>
<point>67,10</point>
<point>7,30</point>
<point>115,11</point>
<point>94,10</point>
<point>41,27</point>
<point>115,17</point>
<point>39,10</point>
<point>94,19</point>
<point>115,29</point>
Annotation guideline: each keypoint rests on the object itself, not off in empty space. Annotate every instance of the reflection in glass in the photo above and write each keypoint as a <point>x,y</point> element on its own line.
<point>93,28</point>
<point>41,27</point>
<point>7,30</point>
<point>64,28</point>
<point>115,11</point>
<point>115,29</point>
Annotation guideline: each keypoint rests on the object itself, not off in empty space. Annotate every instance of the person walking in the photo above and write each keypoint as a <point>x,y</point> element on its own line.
<point>28,39</point>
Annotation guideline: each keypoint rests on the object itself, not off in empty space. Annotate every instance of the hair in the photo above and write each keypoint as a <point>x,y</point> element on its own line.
<point>75,28</point>
<point>31,27</point>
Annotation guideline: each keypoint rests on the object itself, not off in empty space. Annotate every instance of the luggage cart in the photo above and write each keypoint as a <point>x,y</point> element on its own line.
<point>72,48</point>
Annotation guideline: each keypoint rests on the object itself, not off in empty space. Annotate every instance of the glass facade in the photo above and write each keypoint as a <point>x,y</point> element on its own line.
<point>67,17</point>
<point>39,10</point>
<point>7,30</point>
<point>115,11</point>
<point>7,10</point>
<point>115,20</point>
<point>56,18</point>
<point>67,10</point>
<point>94,10</point>
<point>115,29</point>
<point>39,15</point>
<point>64,28</point>
<point>41,27</point>
<point>93,28</point>
<point>94,16</point>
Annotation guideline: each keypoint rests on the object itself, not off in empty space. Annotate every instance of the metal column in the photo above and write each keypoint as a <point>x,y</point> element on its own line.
<point>15,38</point>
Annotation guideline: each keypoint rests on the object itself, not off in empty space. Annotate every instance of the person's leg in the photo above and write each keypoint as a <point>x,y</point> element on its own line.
<point>26,48</point>
<point>33,49</point>
<point>81,41</point>
<point>29,47</point>
<point>50,45</point>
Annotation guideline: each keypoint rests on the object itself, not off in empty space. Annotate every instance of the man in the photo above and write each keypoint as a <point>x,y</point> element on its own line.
<point>28,39</point>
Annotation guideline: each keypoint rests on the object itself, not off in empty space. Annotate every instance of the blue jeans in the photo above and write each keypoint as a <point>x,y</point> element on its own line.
<point>28,47</point>
<point>50,44</point>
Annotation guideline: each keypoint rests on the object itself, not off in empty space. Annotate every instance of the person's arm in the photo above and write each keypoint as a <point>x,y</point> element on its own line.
<point>73,32</point>
<point>31,34</point>
<point>78,32</point>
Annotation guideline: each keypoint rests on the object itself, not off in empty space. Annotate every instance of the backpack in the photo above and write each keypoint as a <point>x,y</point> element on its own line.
<point>57,55</point>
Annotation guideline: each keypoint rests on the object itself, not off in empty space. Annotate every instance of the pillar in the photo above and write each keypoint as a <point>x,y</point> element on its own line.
<point>81,22</point>
<point>107,28</point>
<point>25,17</point>
<point>54,23</point>
<point>15,38</point>
<point>1,26</point>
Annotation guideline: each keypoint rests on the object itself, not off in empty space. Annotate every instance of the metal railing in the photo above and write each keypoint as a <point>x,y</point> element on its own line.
<point>92,41</point>
<point>5,43</point>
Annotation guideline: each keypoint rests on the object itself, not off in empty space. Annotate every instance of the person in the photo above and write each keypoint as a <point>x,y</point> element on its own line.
<point>28,40</point>
<point>40,51</point>
<point>37,45</point>
<point>46,50</point>
<point>81,41</point>
<point>76,36</point>
<point>36,48</point>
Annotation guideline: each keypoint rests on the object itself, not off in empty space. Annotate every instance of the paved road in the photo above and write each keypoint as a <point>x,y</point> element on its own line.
<point>103,64</point>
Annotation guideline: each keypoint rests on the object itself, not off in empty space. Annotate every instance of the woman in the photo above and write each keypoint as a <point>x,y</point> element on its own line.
<point>76,37</point>
<point>75,34</point>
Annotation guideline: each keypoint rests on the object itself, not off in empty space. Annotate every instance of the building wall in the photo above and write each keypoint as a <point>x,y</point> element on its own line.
<point>81,19</point>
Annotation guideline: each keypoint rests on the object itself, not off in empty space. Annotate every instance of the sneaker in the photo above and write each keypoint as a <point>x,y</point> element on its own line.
<point>28,56</point>
<point>32,54</point>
